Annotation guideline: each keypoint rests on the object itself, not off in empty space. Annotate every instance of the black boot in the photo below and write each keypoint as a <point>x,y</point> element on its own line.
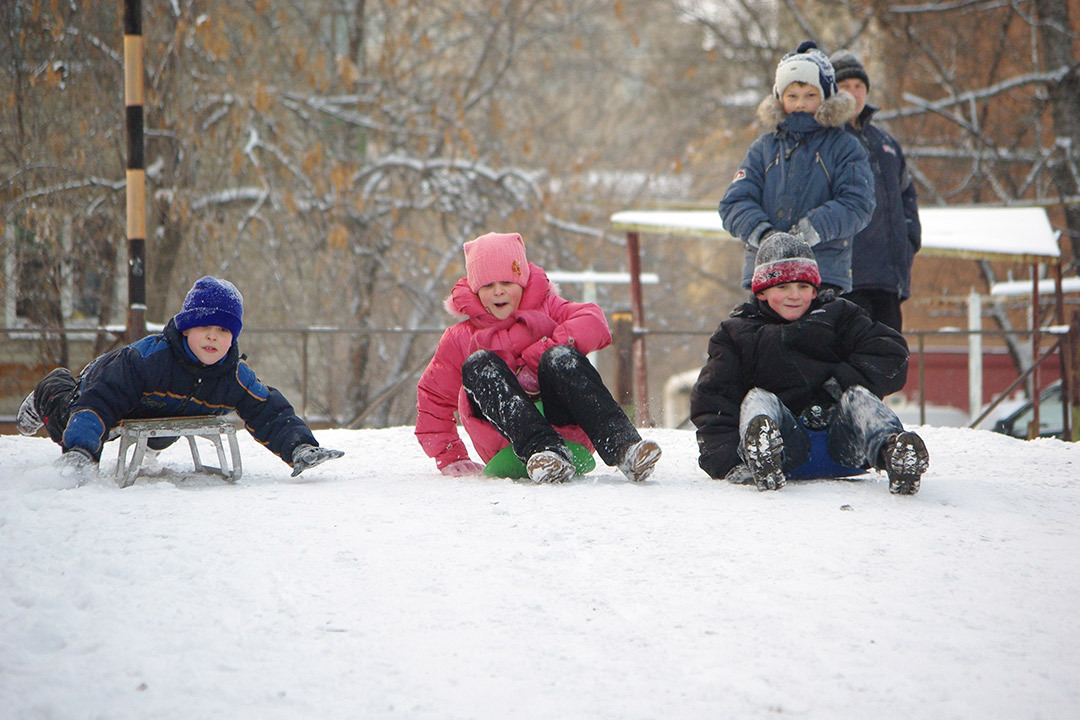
<point>764,449</point>
<point>906,459</point>
<point>574,394</point>
<point>49,405</point>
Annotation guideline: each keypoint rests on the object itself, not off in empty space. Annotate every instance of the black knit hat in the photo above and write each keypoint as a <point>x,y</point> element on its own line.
<point>847,66</point>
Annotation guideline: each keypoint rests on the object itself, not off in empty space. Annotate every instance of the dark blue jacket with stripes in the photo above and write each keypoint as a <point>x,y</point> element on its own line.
<point>159,377</point>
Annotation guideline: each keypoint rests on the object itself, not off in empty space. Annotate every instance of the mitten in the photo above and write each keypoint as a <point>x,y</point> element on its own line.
<point>761,231</point>
<point>308,456</point>
<point>461,468</point>
<point>806,232</point>
<point>528,381</point>
<point>75,461</point>
<point>817,417</point>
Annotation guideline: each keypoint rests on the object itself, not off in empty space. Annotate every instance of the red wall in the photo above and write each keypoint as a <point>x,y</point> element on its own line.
<point>947,376</point>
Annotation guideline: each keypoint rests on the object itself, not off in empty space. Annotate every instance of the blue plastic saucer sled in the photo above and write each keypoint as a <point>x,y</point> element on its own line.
<point>821,465</point>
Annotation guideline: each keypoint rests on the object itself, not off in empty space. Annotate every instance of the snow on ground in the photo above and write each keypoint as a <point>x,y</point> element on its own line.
<point>373,587</point>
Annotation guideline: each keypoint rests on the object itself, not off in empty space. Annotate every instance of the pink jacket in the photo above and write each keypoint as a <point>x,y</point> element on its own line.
<point>541,321</point>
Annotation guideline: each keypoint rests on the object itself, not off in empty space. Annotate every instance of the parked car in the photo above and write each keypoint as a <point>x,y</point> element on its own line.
<point>1051,423</point>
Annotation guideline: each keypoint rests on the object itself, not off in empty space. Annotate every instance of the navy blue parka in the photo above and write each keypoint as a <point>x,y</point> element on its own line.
<point>159,377</point>
<point>885,249</point>
<point>806,166</point>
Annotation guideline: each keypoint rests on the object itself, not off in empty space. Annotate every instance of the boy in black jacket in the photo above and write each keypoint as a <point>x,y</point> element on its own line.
<point>194,367</point>
<point>789,361</point>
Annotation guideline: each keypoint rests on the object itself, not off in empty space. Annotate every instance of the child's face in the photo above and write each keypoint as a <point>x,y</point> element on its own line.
<point>800,97</point>
<point>858,89</point>
<point>500,298</point>
<point>208,343</point>
<point>789,300</point>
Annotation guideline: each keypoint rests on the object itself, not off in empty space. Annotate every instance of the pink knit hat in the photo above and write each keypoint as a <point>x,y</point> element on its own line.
<point>496,257</point>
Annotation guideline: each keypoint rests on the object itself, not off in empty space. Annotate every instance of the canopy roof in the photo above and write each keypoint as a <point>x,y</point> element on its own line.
<point>1014,234</point>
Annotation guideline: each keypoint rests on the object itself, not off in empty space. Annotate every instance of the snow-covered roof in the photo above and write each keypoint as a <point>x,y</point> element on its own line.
<point>1023,287</point>
<point>1019,234</point>
<point>593,276</point>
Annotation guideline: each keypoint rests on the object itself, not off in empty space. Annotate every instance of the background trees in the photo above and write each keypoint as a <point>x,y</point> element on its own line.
<point>333,156</point>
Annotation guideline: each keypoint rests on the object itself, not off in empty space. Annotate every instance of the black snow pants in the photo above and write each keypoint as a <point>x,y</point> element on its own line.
<point>572,391</point>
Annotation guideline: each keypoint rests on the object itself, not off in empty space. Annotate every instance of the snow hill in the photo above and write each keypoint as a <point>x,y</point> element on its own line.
<point>373,587</point>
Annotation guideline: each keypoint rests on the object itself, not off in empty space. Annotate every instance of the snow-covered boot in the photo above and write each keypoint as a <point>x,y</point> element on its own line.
<point>765,453</point>
<point>28,421</point>
<point>550,466</point>
<point>639,460</point>
<point>906,459</point>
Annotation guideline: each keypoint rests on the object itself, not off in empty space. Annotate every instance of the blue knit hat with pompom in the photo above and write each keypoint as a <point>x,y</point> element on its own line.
<point>212,302</point>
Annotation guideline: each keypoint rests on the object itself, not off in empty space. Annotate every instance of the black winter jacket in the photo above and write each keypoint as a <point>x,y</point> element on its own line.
<point>156,377</point>
<point>755,347</point>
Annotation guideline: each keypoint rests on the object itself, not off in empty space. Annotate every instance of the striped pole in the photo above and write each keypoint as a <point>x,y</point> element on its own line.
<point>136,170</point>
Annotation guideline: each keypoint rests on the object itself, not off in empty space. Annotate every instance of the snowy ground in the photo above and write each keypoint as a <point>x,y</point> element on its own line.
<point>373,587</point>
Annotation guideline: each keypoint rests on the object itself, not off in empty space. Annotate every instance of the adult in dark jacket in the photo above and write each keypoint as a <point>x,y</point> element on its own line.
<point>802,362</point>
<point>885,249</point>
<point>806,175</point>
<point>193,367</point>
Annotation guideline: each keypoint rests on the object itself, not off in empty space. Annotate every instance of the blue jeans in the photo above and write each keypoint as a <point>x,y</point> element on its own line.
<point>858,429</point>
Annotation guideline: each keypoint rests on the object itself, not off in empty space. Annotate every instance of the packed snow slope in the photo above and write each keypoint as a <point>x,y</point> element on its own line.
<point>373,587</point>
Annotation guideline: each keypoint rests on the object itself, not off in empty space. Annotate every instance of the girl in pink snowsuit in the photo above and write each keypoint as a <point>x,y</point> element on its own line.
<point>521,342</point>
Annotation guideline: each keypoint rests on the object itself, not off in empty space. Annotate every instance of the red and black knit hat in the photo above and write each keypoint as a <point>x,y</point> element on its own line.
<point>784,258</point>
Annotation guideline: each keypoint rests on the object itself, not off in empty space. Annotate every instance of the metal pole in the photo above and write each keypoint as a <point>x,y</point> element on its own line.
<point>975,376</point>
<point>641,385</point>
<point>136,170</point>
<point>1035,427</point>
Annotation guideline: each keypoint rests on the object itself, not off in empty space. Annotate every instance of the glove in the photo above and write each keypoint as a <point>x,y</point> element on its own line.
<point>461,468</point>
<point>740,475</point>
<point>805,231</point>
<point>74,461</point>
<point>761,231</point>
<point>817,417</point>
<point>528,381</point>
<point>833,387</point>
<point>308,456</point>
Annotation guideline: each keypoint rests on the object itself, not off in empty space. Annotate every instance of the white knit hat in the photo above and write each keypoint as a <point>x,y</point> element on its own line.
<point>806,65</point>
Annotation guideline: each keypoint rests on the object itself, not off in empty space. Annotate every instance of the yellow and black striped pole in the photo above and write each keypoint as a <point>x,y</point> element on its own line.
<point>136,170</point>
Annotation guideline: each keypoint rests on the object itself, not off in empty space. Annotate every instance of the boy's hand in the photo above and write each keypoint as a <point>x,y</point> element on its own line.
<point>75,457</point>
<point>805,231</point>
<point>75,462</point>
<point>308,456</point>
<point>462,468</point>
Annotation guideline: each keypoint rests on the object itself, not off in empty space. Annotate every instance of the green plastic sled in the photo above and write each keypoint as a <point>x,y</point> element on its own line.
<point>505,464</point>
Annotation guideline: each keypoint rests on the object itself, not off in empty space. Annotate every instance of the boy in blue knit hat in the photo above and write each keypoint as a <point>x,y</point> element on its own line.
<point>806,175</point>
<point>191,368</point>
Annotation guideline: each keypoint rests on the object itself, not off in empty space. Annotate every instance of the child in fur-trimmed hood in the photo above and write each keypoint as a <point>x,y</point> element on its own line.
<point>520,342</point>
<point>806,175</point>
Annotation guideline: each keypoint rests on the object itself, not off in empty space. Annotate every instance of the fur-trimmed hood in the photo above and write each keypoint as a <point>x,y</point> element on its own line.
<point>834,112</point>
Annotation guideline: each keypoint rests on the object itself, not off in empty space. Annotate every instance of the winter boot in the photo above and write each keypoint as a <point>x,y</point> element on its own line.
<point>639,459</point>
<point>28,421</point>
<point>906,459</point>
<point>550,466</point>
<point>765,453</point>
